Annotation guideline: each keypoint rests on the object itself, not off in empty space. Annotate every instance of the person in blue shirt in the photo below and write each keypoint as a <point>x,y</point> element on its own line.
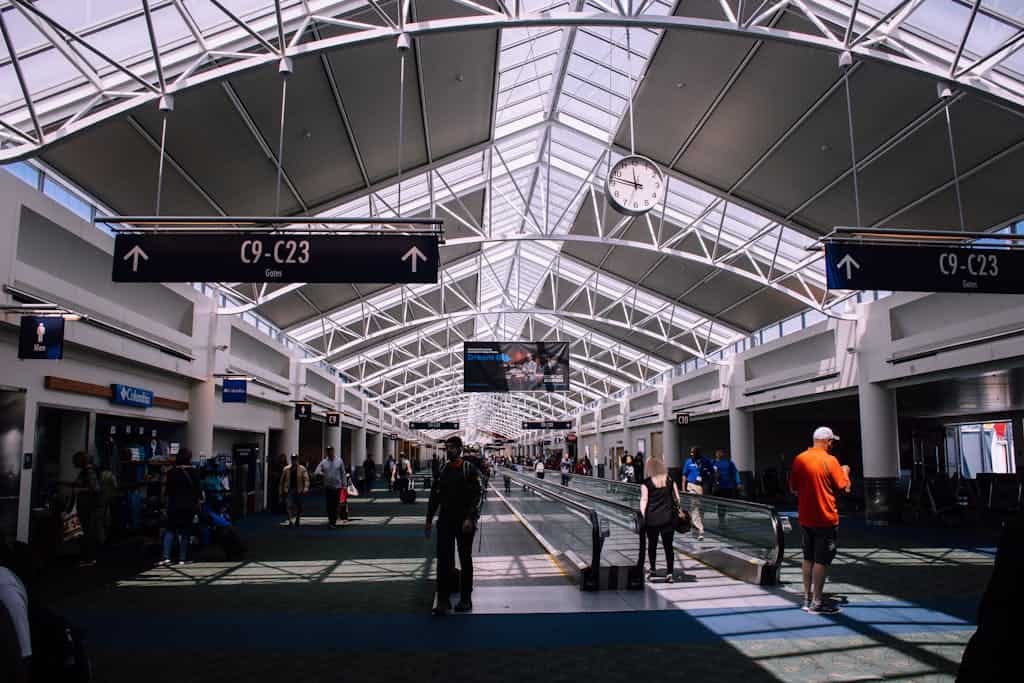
<point>727,480</point>
<point>698,476</point>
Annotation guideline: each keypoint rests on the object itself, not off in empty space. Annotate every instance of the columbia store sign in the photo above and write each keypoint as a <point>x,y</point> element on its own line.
<point>124,395</point>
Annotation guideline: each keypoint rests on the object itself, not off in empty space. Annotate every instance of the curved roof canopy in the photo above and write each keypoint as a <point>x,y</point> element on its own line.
<point>509,114</point>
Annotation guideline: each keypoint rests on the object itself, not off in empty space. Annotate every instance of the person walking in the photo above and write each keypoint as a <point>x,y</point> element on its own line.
<point>816,477</point>
<point>332,469</point>
<point>294,485</point>
<point>458,494</point>
<point>566,469</point>
<point>727,478</point>
<point>698,473</point>
<point>588,466</point>
<point>659,499</point>
<point>370,473</point>
<point>538,468</point>
<point>392,470</point>
<point>628,473</point>
<point>181,490</point>
<point>87,491</point>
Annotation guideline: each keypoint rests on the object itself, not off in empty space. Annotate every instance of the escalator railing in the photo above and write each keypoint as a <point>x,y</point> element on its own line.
<point>743,539</point>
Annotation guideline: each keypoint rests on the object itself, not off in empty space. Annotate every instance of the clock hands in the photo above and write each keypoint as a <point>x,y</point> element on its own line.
<point>634,183</point>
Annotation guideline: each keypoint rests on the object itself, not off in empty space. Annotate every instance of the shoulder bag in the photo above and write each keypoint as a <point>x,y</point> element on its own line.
<point>681,521</point>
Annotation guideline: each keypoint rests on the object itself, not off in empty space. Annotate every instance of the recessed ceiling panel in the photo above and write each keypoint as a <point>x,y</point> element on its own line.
<point>777,87</point>
<point>210,139</point>
<point>368,78</point>
<point>819,150</point>
<point>117,165</point>
<point>318,156</point>
<point>458,92</point>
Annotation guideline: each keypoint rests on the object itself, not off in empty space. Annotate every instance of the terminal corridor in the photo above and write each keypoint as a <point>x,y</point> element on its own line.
<point>353,604</point>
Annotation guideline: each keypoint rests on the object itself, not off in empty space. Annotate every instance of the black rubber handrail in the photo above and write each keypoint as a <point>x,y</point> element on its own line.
<point>638,524</point>
<point>774,566</point>
<point>591,576</point>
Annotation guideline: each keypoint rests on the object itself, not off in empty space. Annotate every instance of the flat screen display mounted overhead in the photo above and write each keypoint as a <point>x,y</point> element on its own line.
<point>515,366</point>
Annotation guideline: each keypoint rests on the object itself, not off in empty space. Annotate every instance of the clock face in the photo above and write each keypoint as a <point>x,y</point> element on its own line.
<point>635,185</point>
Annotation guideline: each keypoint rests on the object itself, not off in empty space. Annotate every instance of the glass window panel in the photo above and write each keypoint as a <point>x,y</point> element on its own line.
<point>25,172</point>
<point>67,198</point>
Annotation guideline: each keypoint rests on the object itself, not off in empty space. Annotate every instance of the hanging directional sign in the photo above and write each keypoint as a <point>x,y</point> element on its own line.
<point>682,418</point>
<point>225,257</point>
<point>303,411</point>
<point>923,268</point>
<point>433,425</point>
<point>333,419</point>
<point>550,424</point>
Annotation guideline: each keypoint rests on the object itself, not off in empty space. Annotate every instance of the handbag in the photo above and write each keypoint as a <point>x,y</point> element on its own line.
<point>343,496</point>
<point>681,521</point>
<point>352,491</point>
<point>72,524</point>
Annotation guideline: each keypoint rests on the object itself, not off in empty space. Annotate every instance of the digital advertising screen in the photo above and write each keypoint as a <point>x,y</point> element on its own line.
<point>515,366</point>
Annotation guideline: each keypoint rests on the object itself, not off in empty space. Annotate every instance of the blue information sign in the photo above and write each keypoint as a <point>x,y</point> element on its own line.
<point>234,390</point>
<point>125,395</point>
<point>923,268</point>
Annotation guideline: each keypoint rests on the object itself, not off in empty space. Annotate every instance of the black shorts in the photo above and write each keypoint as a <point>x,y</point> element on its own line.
<point>820,544</point>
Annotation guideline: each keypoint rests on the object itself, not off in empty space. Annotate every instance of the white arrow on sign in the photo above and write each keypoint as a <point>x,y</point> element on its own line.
<point>848,263</point>
<point>414,253</point>
<point>135,253</point>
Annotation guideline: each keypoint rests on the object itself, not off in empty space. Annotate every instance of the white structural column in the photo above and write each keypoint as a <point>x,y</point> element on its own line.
<point>334,440</point>
<point>670,444</point>
<point>290,433</point>
<point>359,445</point>
<point>378,446</point>
<point>879,438</point>
<point>202,404</point>
<point>741,438</point>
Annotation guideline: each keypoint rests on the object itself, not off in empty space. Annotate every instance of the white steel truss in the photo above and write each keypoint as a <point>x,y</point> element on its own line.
<point>73,65</point>
<point>565,76</point>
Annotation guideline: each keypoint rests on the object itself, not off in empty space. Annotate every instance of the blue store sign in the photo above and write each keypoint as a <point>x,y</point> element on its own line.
<point>234,391</point>
<point>125,395</point>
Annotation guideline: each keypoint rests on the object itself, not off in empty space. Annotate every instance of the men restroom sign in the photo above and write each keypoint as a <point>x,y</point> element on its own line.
<point>41,338</point>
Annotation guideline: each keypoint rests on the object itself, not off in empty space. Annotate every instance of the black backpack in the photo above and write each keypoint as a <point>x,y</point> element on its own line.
<point>708,476</point>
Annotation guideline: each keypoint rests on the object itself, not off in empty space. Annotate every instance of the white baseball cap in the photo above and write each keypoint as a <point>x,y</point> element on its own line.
<point>824,434</point>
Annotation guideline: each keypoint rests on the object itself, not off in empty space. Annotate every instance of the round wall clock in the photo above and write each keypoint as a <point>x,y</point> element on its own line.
<point>635,185</point>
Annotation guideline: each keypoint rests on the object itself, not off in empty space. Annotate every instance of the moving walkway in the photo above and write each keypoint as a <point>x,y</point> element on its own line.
<point>599,519</point>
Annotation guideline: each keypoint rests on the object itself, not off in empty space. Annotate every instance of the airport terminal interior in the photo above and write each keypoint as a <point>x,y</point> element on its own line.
<point>505,340</point>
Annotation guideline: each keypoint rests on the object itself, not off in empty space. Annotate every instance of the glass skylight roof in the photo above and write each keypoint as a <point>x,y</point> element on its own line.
<point>562,95</point>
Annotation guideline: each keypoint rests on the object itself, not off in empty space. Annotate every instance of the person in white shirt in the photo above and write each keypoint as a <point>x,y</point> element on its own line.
<point>15,638</point>
<point>539,469</point>
<point>332,469</point>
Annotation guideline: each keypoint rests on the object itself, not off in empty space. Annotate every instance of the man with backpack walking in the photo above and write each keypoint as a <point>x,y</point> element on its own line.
<point>699,477</point>
<point>458,493</point>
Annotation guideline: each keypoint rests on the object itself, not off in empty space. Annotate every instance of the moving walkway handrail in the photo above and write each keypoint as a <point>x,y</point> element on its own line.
<point>553,489</point>
<point>778,552</point>
<point>597,539</point>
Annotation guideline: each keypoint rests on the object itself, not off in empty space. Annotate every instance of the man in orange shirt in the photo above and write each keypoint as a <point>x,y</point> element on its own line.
<point>815,478</point>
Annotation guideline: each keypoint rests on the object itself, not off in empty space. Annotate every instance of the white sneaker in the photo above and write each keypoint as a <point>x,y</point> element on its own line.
<point>700,537</point>
<point>163,563</point>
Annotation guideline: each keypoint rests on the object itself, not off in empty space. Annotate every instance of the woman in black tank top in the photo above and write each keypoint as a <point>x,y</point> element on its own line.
<point>659,499</point>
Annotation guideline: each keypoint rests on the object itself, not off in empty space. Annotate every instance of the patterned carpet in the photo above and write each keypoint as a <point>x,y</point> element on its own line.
<point>352,604</point>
